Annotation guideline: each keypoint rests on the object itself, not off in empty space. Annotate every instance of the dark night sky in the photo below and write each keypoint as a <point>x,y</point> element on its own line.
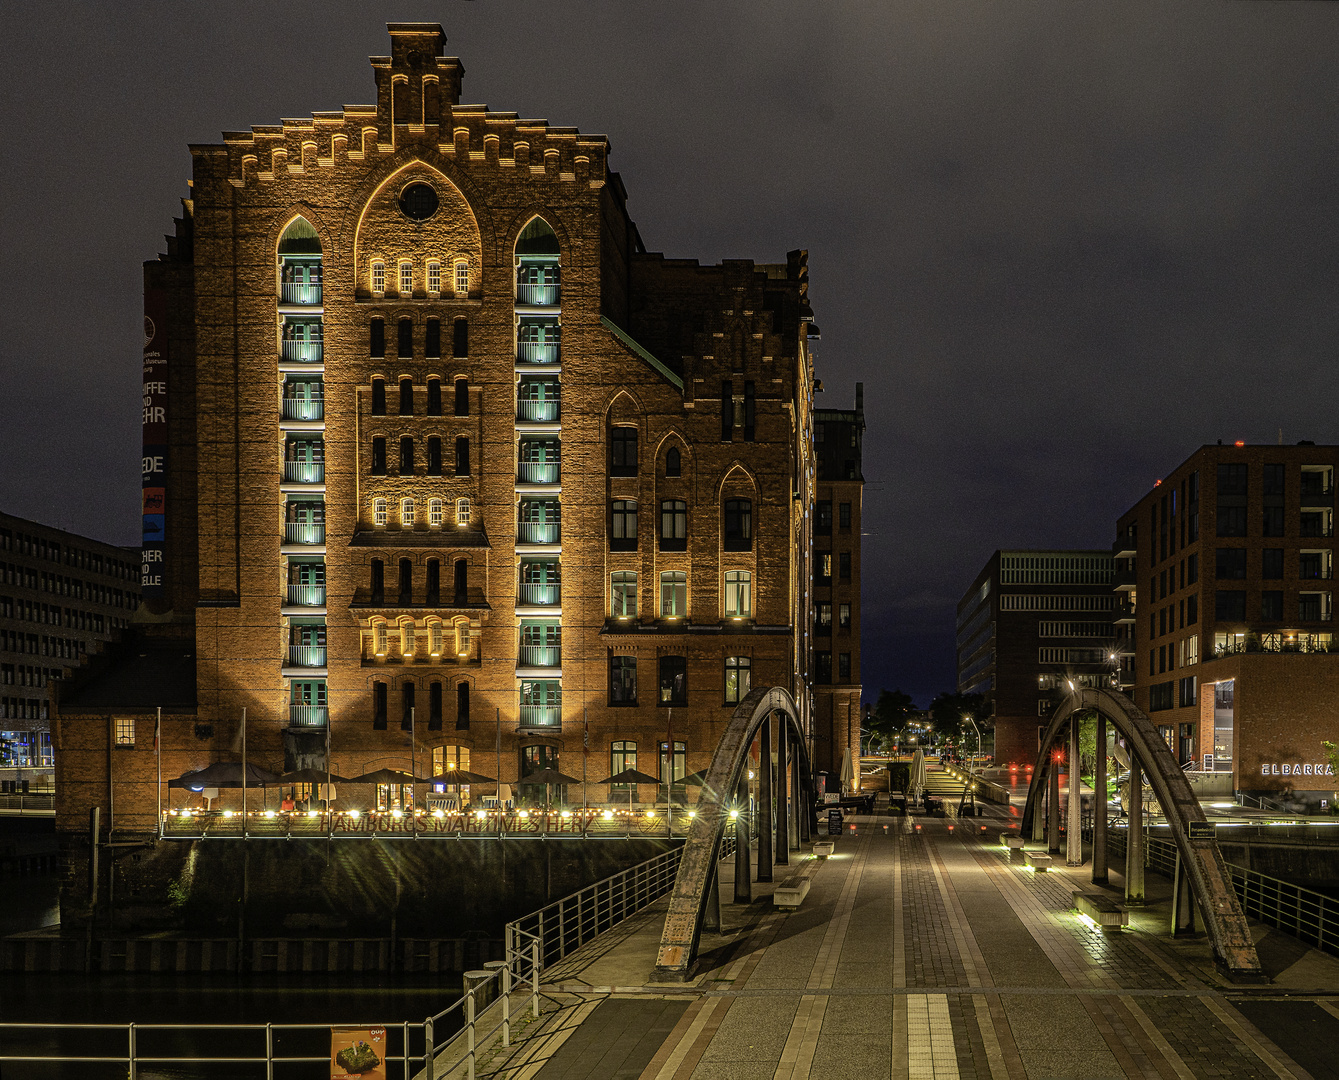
<point>1061,244</point>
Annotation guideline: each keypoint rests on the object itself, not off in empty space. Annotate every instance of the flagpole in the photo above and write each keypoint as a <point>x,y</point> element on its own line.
<point>329,817</point>
<point>243,772</point>
<point>158,762</point>
<point>585,753</point>
<point>413,771</point>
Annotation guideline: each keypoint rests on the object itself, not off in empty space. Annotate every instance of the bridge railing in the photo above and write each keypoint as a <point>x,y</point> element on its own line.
<point>1307,915</point>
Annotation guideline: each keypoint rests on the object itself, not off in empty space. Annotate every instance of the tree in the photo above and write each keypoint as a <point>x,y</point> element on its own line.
<point>948,710</point>
<point>890,714</point>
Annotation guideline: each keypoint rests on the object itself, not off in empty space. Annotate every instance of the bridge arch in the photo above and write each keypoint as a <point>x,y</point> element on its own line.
<point>1201,859</point>
<point>697,866</point>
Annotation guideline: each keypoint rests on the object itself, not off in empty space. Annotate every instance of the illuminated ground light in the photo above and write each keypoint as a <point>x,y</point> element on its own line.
<point>607,815</point>
<point>354,814</point>
<point>438,814</point>
<point>397,814</point>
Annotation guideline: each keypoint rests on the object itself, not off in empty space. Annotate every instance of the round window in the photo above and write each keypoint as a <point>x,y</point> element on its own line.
<point>418,202</point>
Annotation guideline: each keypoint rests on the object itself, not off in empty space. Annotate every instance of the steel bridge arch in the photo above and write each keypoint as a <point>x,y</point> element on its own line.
<point>1201,859</point>
<point>688,901</point>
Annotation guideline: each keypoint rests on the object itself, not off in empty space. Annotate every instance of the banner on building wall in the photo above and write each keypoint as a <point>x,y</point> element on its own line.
<point>153,464</point>
<point>358,1053</point>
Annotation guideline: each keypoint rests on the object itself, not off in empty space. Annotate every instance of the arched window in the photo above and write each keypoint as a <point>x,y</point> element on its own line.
<point>462,706</point>
<point>379,637</point>
<point>435,638</point>
<point>434,455</point>
<point>377,582</point>
<point>434,585</point>
<point>406,397</point>
<point>462,455</point>
<point>406,455</point>
<point>462,397</point>
<point>434,396</point>
<point>379,512</point>
<point>435,718</point>
<point>673,594</point>
<point>673,465</point>
<point>462,276</point>
<point>406,595</point>
<point>738,594</point>
<point>378,455</point>
<point>406,513</point>
<point>406,278</point>
<point>462,512</point>
<point>434,276</point>
<point>537,238</point>
<point>404,339</point>
<point>408,638</point>
<point>378,397</point>
<point>460,582</point>
<point>299,238</point>
<point>460,339</point>
<point>378,282</point>
<point>623,593</point>
<point>462,638</point>
<point>435,514</point>
<point>380,691</point>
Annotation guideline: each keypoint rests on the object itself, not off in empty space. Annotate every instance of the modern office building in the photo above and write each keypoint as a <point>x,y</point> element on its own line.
<point>1031,621</point>
<point>448,469</point>
<point>838,438</point>
<point>62,598</point>
<point>1231,556</point>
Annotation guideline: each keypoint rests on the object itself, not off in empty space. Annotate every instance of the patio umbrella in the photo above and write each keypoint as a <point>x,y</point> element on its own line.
<point>848,771</point>
<point>460,776</point>
<point>695,779</point>
<point>312,776</point>
<point>386,776</point>
<point>631,777</point>
<point>224,774</point>
<point>916,779</point>
<point>547,777</point>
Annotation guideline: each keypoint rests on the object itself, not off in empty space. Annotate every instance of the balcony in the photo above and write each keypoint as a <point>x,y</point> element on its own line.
<point>541,716</point>
<point>296,532</point>
<point>537,352</point>
<point>304,472</point>
<point>539,532</point>
<point>312,656</point>
<point>537,472</point>
<point>304,408</point>
<point>308,715</point>
<point>307,595</point>
<point>537,411</point>
<point>545,594</point>
<point>540,656</point>
<point>537,294</point>
<point>1122,579</point>
<point>302,352</point>
<point>1310,613</point>
<point>308,294</point>
<point>1123,612</point>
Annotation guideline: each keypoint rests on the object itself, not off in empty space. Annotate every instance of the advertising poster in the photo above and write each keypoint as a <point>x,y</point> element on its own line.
<point>358,1053</point>
<point>154,425</point>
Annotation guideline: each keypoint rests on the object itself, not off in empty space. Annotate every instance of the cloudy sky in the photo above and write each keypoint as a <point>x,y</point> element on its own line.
<point>1061,244</point>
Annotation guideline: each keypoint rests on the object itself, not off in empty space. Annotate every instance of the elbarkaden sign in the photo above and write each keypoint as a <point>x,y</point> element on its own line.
<point>1295,768</point>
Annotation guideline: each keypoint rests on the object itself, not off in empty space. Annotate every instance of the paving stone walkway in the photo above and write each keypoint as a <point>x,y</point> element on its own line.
<point>924,955</point>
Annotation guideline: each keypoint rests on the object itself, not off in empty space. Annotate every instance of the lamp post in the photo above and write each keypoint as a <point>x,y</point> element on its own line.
<point>972,767</point>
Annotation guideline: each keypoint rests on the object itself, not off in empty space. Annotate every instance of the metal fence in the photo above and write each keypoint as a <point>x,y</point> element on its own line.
<point>440,1046</point>
<point>1308,915</point>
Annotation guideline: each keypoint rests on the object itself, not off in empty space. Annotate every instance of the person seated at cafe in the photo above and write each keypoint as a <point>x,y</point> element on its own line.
<point>287,803</point>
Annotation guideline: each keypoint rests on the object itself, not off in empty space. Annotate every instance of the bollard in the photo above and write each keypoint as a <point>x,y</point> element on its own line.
<point>469,1033</point>
<point>950,826</point>
<point>885,830</point>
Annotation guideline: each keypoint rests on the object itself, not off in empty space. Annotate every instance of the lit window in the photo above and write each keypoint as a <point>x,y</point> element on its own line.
<point>462,638</point>
<point>379,636</point>
<point>462,511</point>
<point>406,277</point>
<point>378,511</point>
<point>406,513</point>
<point>435,513</point>
<point>434,276</point>
<point>125,731</point>
<point>623,593</point>
<point>738,594</point>
<point>673,594</point>
<point>378,277</point>
<point>462,278</point>
<point>435,638</point>
<point>737,673</point>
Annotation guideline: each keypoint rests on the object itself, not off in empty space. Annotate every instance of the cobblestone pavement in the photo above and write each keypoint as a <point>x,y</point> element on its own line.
<point>924,955</point>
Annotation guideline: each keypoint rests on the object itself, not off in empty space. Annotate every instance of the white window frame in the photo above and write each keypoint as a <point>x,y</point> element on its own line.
<point>125,731</point>
<point>406,277</point>
<point>462,513</point>
<point>462,638</point>
<point>461,277</point>
<point>378,276</point>
<point>738,594</point>
<point>435,638</point>
<point>380,638</point>
<point>379,513</point>
<point>436,513</point>
<point>407,513</point>
<point>434,276</point>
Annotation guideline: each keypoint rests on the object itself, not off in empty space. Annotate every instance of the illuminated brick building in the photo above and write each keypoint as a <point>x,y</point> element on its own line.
<point>445,446</point>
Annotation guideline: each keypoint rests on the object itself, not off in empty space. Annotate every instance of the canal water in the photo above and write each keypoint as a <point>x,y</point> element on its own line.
<point>197,1002</point>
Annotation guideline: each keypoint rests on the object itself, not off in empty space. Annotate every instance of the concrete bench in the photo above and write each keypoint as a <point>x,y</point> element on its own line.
<point>1038,860</point>
<point>824,848</point>
<point>1104,911</point>
<point>1014,843</point>
<point>790,893</point>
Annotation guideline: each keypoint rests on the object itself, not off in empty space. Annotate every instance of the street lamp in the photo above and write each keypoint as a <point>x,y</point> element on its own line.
<point>972,766</point>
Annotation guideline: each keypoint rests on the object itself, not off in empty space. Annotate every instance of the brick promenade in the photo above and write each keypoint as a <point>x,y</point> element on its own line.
<point>925,955</point>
